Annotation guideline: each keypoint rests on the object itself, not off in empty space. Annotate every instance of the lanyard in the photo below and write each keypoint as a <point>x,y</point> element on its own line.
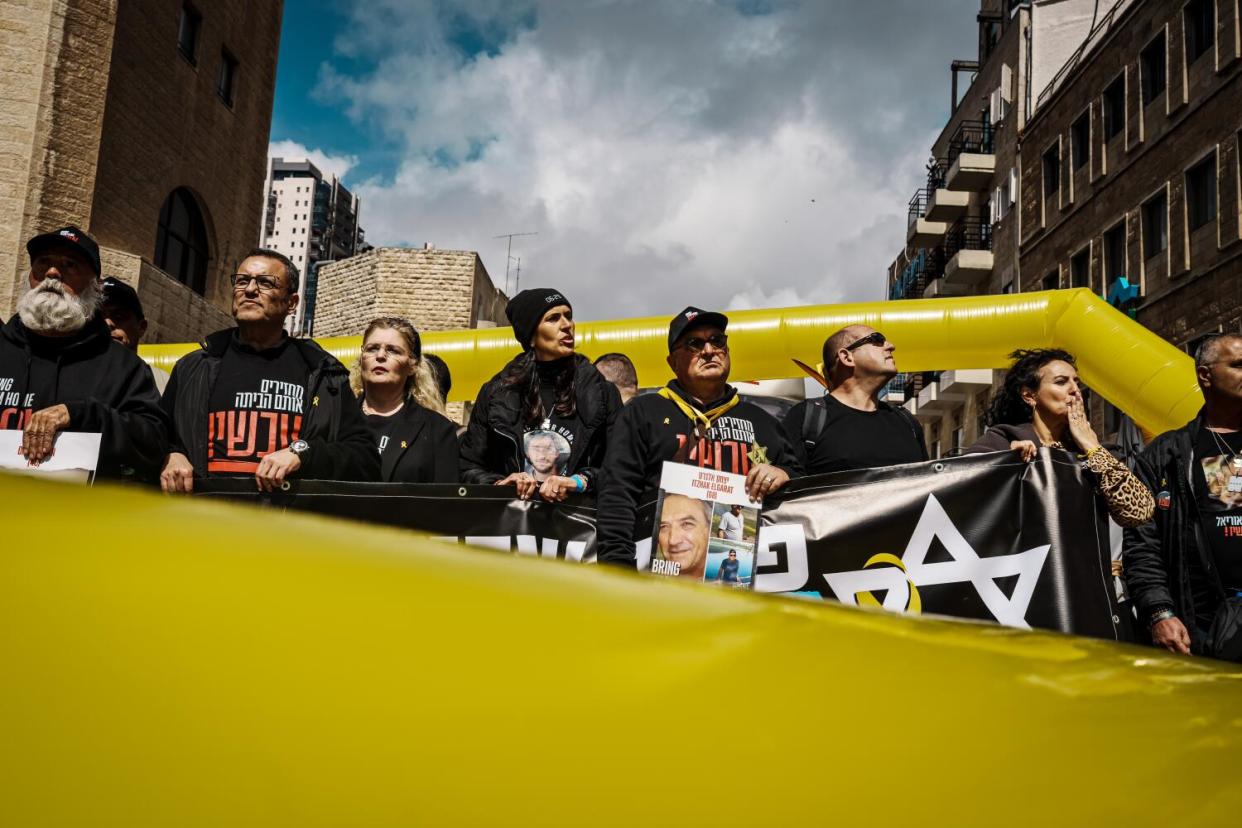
<point>701,420</point>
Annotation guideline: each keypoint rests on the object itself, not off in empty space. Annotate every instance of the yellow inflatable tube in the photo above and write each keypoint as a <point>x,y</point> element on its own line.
<point>172,662</point>
<point>1127,364</point>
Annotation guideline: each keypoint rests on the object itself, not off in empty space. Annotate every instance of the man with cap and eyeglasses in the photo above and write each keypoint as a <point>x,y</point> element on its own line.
<point>697,419</point>
<point>60,369</point>
<point>122,312</point>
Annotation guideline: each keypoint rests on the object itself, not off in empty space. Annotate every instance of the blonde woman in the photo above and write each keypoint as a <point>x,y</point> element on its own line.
<point>401,402</point>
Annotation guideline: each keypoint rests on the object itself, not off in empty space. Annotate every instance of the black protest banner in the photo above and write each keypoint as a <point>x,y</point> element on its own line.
<point>985,536</point>
<point>487,516</point>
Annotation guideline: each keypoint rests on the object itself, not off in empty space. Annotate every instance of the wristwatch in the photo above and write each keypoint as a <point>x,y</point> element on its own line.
<point>299,447</point>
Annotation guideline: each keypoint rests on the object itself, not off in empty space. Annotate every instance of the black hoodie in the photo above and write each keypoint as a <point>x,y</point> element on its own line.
<point>106,387</point>
<point>341,445</point>
<point>491,448</point>
<point>652,430</point>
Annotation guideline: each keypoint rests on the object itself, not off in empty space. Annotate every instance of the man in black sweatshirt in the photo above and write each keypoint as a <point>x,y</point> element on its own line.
<point>697,419</point>
<point>254,402</point>
<point>61,371</point>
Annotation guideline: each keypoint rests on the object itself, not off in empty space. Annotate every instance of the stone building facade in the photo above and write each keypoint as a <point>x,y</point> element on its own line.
<point>436,290</point>
<point>145,122</point>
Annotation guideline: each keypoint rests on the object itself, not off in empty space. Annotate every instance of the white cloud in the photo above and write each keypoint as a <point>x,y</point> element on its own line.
<point>328,164</point>
<point>684,154</point>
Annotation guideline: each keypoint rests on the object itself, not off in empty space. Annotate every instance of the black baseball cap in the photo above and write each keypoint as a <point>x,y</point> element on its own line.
<point>116,292</point>
<point>693,317</point>
<point>66,237</point>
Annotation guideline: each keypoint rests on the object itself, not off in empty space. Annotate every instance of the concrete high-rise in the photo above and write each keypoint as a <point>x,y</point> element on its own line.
<point>311,218</point>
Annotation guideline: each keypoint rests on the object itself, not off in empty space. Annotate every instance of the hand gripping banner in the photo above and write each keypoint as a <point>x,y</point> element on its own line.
<point>986,536</point>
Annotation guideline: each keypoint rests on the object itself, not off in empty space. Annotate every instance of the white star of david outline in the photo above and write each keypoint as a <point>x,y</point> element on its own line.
<point>965,566</point>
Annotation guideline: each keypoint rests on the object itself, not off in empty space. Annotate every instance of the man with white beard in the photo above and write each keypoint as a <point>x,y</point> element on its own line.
<point>61,371</point>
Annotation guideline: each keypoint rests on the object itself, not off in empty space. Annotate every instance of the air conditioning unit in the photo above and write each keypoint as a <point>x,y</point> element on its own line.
<point>996,107</point>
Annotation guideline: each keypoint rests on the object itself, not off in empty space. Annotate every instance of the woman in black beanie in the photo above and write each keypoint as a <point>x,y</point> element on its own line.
<point>542,423</point>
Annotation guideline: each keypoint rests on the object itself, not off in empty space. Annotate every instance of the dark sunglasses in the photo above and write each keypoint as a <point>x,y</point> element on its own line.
<point>696,344</point>
<point>876,339</point>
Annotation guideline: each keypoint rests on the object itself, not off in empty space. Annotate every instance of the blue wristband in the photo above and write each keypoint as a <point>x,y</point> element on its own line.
<point>579,483</point>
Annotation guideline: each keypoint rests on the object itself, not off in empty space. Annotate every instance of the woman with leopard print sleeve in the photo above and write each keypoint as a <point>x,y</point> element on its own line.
<point>1041,404</point>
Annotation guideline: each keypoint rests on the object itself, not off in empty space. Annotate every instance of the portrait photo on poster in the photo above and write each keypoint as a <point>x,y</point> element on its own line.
<point>547,453</point>
<point>705,527</point>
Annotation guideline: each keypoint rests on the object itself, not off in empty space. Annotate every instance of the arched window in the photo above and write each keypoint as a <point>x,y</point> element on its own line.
<point>181,241</point>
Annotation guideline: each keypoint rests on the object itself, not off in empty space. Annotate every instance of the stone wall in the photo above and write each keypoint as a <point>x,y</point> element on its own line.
<point>436,290</point>
<point>54,64</point>
<point>174,314</point>
<point>166,127</point>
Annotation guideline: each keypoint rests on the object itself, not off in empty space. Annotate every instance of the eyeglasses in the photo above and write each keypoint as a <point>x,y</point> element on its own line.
<point>241,281</point>
<point>875,338</point>
<point>696,344</point>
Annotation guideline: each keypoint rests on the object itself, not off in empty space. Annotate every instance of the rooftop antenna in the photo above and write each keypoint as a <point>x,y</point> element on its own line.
<point>517,276</point>
<point>509,252</point>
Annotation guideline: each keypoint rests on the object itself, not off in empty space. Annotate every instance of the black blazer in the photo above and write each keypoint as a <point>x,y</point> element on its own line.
<point>421,449</point>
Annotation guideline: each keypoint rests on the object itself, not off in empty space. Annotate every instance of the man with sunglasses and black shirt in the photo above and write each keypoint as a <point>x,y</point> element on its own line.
<point>254,402</point>
<point>850,427</point>
<point>697,419</point>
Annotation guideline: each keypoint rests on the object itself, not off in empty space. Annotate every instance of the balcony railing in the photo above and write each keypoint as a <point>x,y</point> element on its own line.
<point>917,207</point>
<point>967,234</point>
<point>971,137</point>
<point>937,170</point>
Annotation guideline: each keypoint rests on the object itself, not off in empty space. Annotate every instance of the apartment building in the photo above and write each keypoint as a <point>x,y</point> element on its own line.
<point>1096,147</point>
<point>146,123</point>
<point>1130,174</point>
<point>311,218</point>
<point>962,232</point>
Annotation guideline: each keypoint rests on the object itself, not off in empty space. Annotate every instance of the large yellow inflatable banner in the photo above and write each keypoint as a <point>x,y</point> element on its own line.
<point>172,662</point>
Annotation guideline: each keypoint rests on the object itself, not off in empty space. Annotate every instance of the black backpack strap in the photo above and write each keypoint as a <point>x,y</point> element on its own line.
<point>813,421</point>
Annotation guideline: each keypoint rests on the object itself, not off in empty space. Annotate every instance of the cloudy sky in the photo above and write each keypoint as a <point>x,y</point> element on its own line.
<point>755,153</point>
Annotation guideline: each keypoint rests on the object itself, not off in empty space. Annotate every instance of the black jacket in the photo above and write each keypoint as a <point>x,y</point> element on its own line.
<point>652,430</point>
<point>422,447</point>
<point>341,445</point>
<point>1168,563</point>
<point>491,448</point>
<point>106,388</point>
<point>999,436</point>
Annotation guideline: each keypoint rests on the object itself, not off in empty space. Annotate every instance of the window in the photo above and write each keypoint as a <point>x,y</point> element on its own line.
<point>1155,226</point>
<point>187,33</point>
<point>1052,171</point>
<point>1007,287</point>
<point>1115,108</point>
<point>1200,22</point>
<point>1080,269</point>
<point>1052,281</point>
<point>1080,140</point>
<point>1201,192</point>
<point>1114,254</point>
<point>181,241</point>
<point>1153,69</point>
<point>227,80</point>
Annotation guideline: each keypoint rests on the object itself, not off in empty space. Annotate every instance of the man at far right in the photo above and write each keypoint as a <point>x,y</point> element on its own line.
<point>850,427</point>
<point>1184,568</point>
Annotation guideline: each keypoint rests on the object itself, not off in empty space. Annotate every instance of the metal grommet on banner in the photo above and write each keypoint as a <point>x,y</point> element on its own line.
<point>461,491</point>
<point>286,486</point>
<point>1116,619</point>
<point>939,467</point>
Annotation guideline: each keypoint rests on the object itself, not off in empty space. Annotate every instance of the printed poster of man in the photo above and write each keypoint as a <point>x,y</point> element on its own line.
<point>705,527</point>
<point>730,553</point>
<point>547,454</point>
